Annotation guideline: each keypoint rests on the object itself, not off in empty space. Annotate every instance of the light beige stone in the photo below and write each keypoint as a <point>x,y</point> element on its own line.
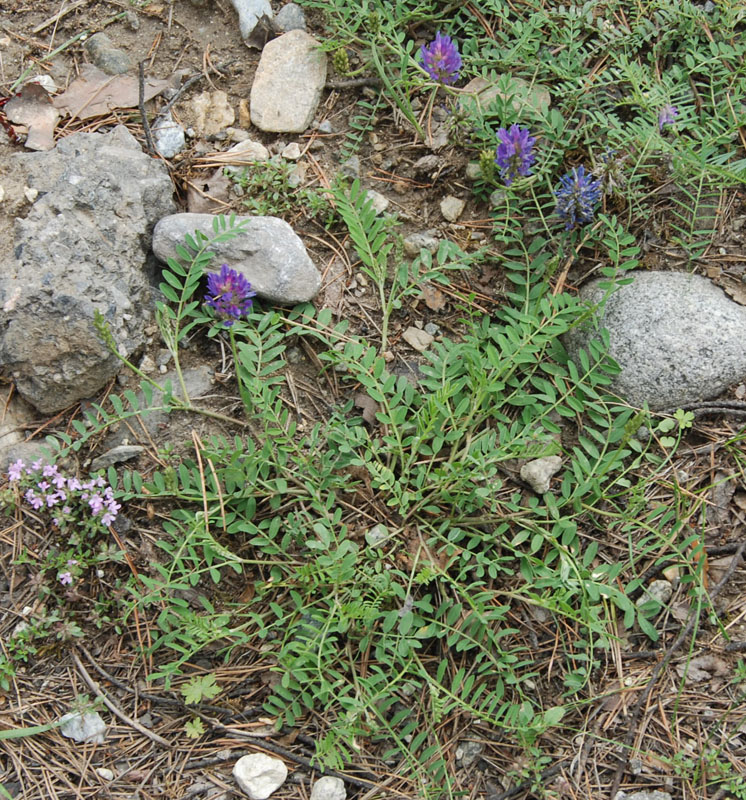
<point>288,83</point>
<point>213,113</point>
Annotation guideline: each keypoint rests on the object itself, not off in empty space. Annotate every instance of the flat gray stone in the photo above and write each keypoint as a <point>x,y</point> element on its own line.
<point>168,136</point>
<point>479,94</point>
<point>198,381</point>
<point>420,241</point>
<point>290,17</point>
<point>678,338</point>
<point>116,455</point>
<point>288,83</point>
<point>106,57</point>
<point>378,202</point>
<point>267,251</point>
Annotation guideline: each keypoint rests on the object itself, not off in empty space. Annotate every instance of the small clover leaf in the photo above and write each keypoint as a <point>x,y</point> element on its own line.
<point>200,688</point>
<point>194,728</point>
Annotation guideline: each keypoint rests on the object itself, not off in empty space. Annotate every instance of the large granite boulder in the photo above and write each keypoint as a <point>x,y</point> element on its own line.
<point>678,338</point>
<point>83,246</point>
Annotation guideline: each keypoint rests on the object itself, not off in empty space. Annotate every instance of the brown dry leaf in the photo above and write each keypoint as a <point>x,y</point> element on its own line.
<point>209,196</point>
<point>720,496</point>
<point>681,611</point>
<point>335,278</point>
<point>736,289</point>
<point>434,299</point>
<point>739,498</point>
<point>95,93</point>
<point>702,668</point>
<point>368,406</point>
<point>33,108</point>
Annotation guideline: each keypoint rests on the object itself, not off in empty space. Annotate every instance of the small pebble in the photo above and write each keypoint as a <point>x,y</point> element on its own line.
<point>291,152</point>
<point>104,773</point>
<point>326,127</point>
<point>452,208</point>
<point>473,171</point>
<point>378,201</point>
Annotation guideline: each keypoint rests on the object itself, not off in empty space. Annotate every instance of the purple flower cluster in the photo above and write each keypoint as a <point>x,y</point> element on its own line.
<point>514,153</point>
<point>48,488</point>
<point>577,196</point>
<point>229,294</point>
<point>667,116</point>
<point>441,59</point>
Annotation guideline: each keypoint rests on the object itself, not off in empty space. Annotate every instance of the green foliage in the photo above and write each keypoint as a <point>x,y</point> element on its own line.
<point>381,255</point>
<point>379,635</point>
<point>270,190</point>
<point>436,461</point>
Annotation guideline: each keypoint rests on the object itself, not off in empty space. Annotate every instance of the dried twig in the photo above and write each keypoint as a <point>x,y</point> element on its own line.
<point>99,692</point>
<point>143,114</point>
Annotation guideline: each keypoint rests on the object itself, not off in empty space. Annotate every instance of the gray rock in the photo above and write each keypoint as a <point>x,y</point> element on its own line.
<point>420,241</point>
<point>479,94</point>
<point>497,198</point>
<point>116,455</point>
<point>291,151</point>
<point>87,727</point>
<point>377,535</point>
<point>168,136</point>
<point>468,752</point>
<point>328,788</point>
<point>417,339</point>
<point>678,338</point>
<point>351,168</point>
<point>16,416</point>
<point>538,473</point>
<point>473,171</point>
<point>659,592</point>
<point>327,127</point>
<point>131,20</point>
<point>289,18</point>
<point>83,246</point>
<point>259,775</point>
<point>266,251</point>
<point>643,795</point>
<point>254,21</point>
<point>106,57</point>
<point>288,83</point>
<point>426,164</point>
<point>452,207</point>
<point>379,203</point>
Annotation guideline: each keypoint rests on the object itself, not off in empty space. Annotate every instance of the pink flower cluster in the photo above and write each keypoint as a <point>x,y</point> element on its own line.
<point>47,487</point>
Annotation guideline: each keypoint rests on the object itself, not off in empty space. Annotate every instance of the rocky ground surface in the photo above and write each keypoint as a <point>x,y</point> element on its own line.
<point>92,181</point>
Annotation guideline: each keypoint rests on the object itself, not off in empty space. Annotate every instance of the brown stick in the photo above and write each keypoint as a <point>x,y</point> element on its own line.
<point>99,692</point>
<point>145,123</point>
